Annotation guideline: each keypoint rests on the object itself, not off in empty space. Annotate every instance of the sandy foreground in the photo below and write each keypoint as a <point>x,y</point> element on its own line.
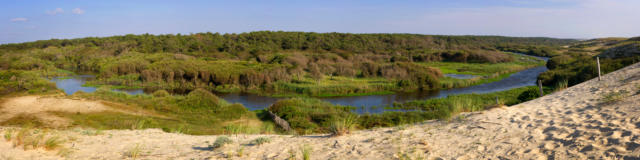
<point>574,123</point>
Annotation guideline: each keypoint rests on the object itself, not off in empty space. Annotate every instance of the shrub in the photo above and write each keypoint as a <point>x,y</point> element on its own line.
<point>161,93</point>
<point>261,140</point>
<point>201,98</point>
<point>231,112</point>
<point>220,142</point>
<point>307,114</point>
<point>529,95</point>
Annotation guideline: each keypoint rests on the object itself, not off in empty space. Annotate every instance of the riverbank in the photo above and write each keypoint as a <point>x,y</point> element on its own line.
<point>594,119</point>
<point>398,77</point>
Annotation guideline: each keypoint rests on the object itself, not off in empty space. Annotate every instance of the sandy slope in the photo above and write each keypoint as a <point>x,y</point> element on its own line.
<point>570,124</point>
<point>41,107</point>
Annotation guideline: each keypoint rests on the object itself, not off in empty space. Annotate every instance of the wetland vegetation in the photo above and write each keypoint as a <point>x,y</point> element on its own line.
<point>183,74</point>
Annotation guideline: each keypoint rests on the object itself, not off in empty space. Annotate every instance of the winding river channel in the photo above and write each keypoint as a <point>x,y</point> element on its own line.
<point>364,104</point>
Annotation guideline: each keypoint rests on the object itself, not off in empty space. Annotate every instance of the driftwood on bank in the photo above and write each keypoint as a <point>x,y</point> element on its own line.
<point>281,122</point>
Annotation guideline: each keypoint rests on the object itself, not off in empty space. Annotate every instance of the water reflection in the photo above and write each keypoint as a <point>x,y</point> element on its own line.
<point>460,76</point>
<point>364,104</point>
<point>73,84</point>
<point>377,103</point>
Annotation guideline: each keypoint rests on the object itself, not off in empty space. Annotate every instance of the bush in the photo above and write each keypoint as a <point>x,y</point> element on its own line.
<point>220,142</point>
<point>233,111</point>
<point>529,95</point>
<point>307,114</point>
<point>12,81</point>
<point>201,98</point>
<point>161,93</point>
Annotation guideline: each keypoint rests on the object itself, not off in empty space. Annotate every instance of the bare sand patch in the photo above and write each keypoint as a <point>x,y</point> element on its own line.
<point>41,106</point>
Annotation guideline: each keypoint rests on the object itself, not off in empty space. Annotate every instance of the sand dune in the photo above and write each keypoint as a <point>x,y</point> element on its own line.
<point>575,123</point>
<point>40,107</point>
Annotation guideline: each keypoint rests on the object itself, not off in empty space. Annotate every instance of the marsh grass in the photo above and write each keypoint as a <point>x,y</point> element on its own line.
<point>561,85</point>
<point>453,104</point>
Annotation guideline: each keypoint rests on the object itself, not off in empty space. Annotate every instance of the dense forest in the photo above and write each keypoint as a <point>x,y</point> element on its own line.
<point>266,62</point>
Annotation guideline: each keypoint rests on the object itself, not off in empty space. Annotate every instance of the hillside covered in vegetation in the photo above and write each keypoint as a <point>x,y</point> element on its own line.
<point>277,63</point>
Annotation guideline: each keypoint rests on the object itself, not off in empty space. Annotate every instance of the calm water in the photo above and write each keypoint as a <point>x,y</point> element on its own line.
<point>371,104</point>
<point>73,84</point>
<point>460,76</point>
<point>376,103</point>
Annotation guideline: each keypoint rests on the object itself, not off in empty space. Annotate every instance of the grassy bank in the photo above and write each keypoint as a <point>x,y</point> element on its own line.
<point>198,112</point>
<point>484,72</point>
<point>307,115</point>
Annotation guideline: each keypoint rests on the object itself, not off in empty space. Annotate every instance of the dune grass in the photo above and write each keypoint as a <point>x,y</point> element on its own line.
<point>29,137</point>
<point>220,142</point>
<point>306,151</point>
<point>614,96</point>
<point>343,125</point>
<point>52,143</point>
<point>260,141</point>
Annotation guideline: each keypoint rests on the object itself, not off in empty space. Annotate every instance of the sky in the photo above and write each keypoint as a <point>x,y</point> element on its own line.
<point>30,20</point>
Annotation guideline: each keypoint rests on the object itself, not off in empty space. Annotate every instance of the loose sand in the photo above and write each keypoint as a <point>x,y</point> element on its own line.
<point>41,108</point>
<point>569,124</point>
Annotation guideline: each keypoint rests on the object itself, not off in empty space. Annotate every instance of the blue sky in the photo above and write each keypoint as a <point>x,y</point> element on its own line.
<point>29,20</point>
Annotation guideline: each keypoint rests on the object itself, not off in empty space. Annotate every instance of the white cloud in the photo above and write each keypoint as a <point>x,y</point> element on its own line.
<point>19,19</point>
<point>77,11</point>
<point>56,11</point>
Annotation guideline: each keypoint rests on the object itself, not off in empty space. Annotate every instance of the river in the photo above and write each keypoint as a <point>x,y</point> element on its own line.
<point>364,104</point>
